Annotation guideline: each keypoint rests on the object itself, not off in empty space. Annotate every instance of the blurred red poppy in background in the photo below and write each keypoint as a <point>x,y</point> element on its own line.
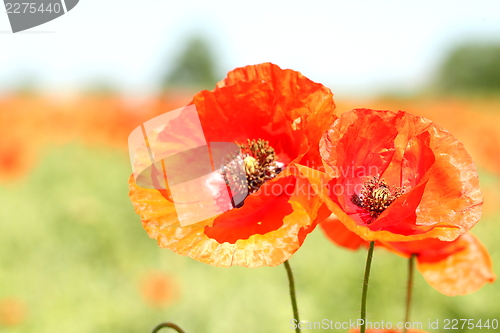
<point>12,311</point>
<point>398,177</point>
<point>159,289</point>
<point>277,117</point>
<point>17,155</point>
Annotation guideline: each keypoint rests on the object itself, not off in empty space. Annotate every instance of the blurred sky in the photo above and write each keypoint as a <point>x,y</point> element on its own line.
<point>354,47</point>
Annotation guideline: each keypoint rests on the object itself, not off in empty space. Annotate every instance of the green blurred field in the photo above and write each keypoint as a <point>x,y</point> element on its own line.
<point>74,253</point>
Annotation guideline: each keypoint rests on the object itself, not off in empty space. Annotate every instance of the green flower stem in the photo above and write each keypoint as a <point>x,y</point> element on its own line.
<point>170,325</point>
<point>365,286</point>
<point>292,295</point>
<point>409,289</point>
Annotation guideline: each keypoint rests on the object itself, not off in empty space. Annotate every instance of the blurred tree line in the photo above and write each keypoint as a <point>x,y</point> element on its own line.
<point>194,68</point>
<point>470,69</point>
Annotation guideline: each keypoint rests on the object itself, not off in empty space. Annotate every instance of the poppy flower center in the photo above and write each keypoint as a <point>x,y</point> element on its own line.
<point>376,196</point>
<point>260,163</point>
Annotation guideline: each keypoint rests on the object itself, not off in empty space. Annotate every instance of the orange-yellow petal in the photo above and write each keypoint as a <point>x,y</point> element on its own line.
<point>272,248</point>
<point>461,272</point>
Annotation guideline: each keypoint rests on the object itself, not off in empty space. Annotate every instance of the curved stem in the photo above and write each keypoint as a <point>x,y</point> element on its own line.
<point>365,287</point>
<point>170,325</point>
<point>292,295</point>
<point>409,289</point>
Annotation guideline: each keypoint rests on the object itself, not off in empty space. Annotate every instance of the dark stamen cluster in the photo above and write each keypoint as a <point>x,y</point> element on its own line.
<point>259,162</point>
<point>376,196</point>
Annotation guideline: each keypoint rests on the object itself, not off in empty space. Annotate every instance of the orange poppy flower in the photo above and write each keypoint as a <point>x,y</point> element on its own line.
<point>398,177</point>
<point>277,117</point>
<point>453,268</point>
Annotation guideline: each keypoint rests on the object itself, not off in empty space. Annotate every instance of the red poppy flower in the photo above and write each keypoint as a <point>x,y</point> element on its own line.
<point>453,268</point>
<point>277,117</point>
<point>398,177</point>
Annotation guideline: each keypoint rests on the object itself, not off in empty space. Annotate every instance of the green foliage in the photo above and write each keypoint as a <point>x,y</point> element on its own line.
<point>194,67</point>
<point>472,69</point>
